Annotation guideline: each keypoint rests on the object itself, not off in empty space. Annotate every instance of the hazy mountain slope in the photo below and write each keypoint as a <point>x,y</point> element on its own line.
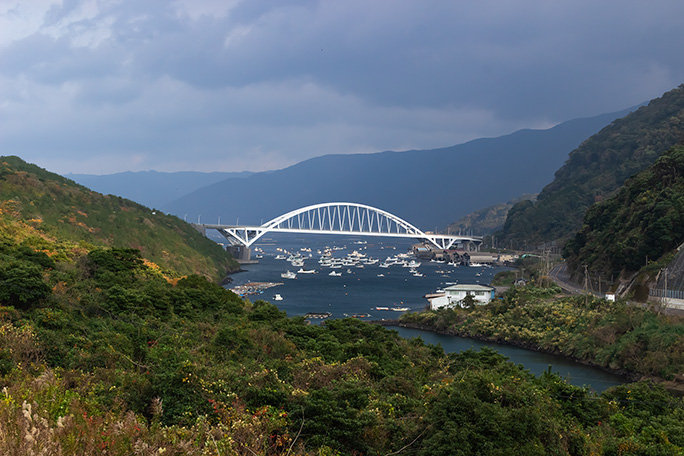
<point>428,188</point>
<point>598,168</point>
<point>57,208</point>
<point>487,220</point>
<point>151,188</point>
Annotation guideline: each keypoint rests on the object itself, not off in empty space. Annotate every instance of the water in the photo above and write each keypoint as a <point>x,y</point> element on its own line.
<point>360,292</point>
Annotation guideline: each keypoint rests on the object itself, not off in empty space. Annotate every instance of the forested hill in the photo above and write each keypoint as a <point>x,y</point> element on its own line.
<point>40,208</point>
<point>642,223</point>
<point>597,168</point>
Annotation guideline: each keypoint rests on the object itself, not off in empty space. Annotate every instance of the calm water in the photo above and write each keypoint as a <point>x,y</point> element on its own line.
<point>360,291</point>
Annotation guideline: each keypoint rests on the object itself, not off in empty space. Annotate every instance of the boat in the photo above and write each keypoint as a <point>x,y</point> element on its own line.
<point>318,315</point>
<point>382,308</point>
<point>381,275</point>
<point>400,309</point>
<point>306,271</point>
<point>277,297</point>
<point>288,275</point>
<point>335,274</point>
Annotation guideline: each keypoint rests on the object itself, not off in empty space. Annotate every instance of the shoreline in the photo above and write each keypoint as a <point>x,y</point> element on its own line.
<point>673,387</point>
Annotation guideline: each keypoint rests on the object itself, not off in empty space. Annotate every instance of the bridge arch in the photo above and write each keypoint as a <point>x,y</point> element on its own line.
<point>339,218</point>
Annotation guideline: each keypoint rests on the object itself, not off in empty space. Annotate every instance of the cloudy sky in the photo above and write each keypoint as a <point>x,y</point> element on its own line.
<point>103,86</point>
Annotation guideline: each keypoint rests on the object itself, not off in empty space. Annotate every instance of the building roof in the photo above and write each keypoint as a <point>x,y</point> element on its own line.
<point>469,287</point>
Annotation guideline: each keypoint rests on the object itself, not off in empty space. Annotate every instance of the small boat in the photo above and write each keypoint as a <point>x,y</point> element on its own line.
<point>277,297</point>
<point>288,275</point>
<point>382,308</point>
<point>335,274</point>
<point>400,309</point>
<point>381,275</point>
<point>306,271</point>
<point>318,315</point>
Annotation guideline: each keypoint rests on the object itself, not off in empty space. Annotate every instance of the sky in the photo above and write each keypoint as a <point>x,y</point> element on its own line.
<point>106,86</point>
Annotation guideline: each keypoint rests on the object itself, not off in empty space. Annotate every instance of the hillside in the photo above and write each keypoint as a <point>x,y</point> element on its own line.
<point>55,208</point>
<point>597,168</point>
<point>428,188</point>
<point>642,223</point>
<point>488,220</point>
<point>151,188</point>
<point>103,353</point>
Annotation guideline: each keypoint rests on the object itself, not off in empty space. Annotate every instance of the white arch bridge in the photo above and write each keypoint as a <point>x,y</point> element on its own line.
<point>340,218</point>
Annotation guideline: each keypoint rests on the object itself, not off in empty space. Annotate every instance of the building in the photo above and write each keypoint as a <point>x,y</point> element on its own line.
<point>454,295</point>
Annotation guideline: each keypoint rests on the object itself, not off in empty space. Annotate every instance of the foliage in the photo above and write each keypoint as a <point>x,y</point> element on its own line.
<point>104,352</point>
<point>644,220</point>
<point>609,334</point>
<point>57,208</point>
<point>597,168</point>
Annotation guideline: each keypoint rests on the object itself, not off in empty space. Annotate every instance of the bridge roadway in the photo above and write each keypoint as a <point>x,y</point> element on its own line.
<point>340,219</point>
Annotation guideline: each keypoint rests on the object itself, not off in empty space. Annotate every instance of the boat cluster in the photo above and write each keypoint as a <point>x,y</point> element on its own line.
<point>355,259</point>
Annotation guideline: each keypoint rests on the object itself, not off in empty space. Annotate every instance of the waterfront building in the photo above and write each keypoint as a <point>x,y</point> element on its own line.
<point>454,295</point>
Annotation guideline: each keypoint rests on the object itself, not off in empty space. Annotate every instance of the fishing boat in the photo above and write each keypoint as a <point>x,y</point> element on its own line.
<point>277,297</point>
<point>288,275</point>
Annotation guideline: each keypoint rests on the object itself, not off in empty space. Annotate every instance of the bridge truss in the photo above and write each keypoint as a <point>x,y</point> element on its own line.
<point>340,218</point>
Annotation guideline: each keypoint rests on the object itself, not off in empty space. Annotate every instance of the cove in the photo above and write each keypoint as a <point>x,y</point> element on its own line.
<point>536,362</point>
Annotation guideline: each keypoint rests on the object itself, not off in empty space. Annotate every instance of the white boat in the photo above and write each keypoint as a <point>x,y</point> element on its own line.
<point>288,275</point>
<point>335,274</point>
<point>277,297</point>
<point>306,271</point>
<point>399,309</point>
<point>381,275</point>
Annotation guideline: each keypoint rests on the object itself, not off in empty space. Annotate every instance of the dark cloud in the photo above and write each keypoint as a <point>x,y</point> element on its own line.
<point>284,80</point>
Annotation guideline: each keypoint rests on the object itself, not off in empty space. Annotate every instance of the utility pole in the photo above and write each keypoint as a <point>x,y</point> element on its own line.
<point>586,283</point>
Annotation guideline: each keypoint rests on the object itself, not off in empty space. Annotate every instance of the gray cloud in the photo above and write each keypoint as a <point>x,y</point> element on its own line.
<point>206,85</point>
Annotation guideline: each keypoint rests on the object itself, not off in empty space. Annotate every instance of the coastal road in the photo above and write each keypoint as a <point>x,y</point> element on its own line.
<point>559,275</point>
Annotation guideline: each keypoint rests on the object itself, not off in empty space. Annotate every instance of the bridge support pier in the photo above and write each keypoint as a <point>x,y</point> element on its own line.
<point>242,254</point>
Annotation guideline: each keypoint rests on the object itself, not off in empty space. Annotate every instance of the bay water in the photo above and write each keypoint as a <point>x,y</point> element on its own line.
<point>374,293</point>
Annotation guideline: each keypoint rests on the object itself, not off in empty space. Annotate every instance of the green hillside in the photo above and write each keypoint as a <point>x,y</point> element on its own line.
<point>55,208</point>
<point>102,352</point>
<point>597,168</point>
<point>640,224</point>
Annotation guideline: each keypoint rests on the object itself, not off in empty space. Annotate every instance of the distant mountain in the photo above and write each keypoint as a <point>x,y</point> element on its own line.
<point>151,188</point>
<point>428,188</point>
<point>47,211</point>
<point>597,169</point>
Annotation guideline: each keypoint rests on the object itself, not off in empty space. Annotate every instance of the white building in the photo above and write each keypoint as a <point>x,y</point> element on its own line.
<point>454,295</point>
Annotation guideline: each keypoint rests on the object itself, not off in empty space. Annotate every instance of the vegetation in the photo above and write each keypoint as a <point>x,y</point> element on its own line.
<point>55,208</point>
<point>488,220</point>
<point>610,334</point>
<point>102,351</point>
<point>643,221</point>
<point>116,359</point>
<point>597,168</point>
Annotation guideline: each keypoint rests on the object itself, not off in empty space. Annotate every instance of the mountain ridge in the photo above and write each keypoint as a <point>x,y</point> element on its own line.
<point>428,188</point>
<point>151,188</point>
